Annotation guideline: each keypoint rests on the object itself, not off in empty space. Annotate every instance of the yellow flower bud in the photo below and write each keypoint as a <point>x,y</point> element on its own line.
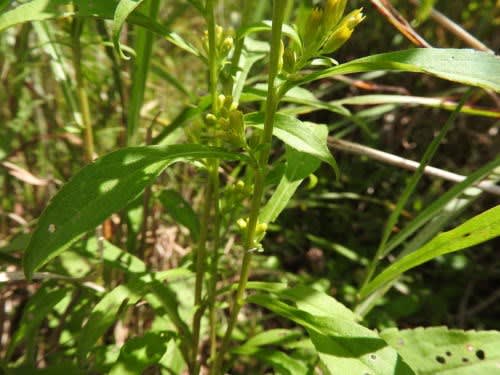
<point>260,229</point>
<point>220,100</point>
<point>226,46</point>
<point>312,28</point>
<point>210,119</point>
<point>289,60</point>
<point>343,32</point>
<point>242,223</point>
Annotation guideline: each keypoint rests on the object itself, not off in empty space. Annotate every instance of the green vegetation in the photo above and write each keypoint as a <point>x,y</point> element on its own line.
<point>195,186</point>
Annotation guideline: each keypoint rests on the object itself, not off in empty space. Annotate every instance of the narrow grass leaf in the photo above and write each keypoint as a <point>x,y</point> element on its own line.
<point>143,46</point>
<point>479,229</point>
<point>437,206</point>
<point>415,178</point>
<point>101,188</point>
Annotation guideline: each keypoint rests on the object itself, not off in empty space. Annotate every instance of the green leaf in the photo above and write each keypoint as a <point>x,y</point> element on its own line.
<point>100,189</point>
<point>122,11</point>
<point>296,95</point>
<point>271,337</point>
<point>139,284</point>
<point>343,345</point>
<point>140,352</point>
<point>439,350</point>
<point>301,136</point>
<point>180,210</point>
<point>465,66</point>
<point>415,178</point>
<point>103,315</point>
<point>299,165</point>
<point>282,363</point>
<point>480,228</point>
<point>437,206</point>
<point>143,47</point>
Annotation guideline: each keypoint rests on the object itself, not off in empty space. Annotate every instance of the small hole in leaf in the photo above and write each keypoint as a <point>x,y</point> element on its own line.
<point>465,360</point>
<point>466,235</point>
<point>52,228</point>
<point>373,357</point>
<point>480,354</point>
<point>448,353</point>
<point>469,347</point>
<point>440,359</point>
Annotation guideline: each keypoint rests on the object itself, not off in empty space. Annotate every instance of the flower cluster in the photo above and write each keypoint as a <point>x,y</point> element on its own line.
<point>322,31</point>
<point>223,41</point>
<point>227,123</point>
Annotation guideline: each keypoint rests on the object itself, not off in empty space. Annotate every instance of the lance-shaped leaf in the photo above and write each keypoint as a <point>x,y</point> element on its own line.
<point>465,66</point>
<point>343,345</point>
<point>100,189</point>
<point>480,228</point>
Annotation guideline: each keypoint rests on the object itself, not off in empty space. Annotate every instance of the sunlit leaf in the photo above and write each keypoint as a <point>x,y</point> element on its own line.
<point>465,66</point>
<point>299,135</point>
<point>100,189</point>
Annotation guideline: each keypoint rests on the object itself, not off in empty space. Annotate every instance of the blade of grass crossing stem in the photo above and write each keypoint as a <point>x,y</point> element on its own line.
<point>448,212</point>
<point>477,230</point>
<point>437,206</point>
<point>410,187</point>
<point>143,49</point>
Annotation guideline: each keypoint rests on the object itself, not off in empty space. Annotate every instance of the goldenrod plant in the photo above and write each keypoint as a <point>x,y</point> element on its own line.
<point>220,158</point>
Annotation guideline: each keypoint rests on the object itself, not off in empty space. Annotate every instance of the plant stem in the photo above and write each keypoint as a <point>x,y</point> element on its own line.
<point>212,192</point>
<point>271,107</point>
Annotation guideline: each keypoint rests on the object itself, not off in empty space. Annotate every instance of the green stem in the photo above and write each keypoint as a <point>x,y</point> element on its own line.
<point>212,289</point>
<point>271,107</point>
<point>211,194</point>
